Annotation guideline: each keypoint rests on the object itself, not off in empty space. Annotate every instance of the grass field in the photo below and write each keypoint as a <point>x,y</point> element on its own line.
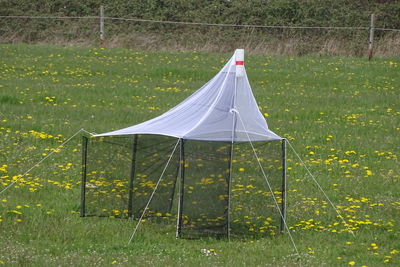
<point>341,114</point>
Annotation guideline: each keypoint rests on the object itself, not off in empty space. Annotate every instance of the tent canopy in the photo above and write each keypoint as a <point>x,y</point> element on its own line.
<point>224,109</point>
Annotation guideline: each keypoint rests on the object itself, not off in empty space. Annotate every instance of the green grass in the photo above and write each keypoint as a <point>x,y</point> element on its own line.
<point>341,114</point>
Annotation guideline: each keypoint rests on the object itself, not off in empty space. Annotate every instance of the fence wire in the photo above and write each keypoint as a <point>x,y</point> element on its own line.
<point>204,24</point>
<point>159,34</point>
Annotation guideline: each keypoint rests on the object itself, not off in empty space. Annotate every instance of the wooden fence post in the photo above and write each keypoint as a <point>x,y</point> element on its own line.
<point>371,37</point>
<point>101,25</point>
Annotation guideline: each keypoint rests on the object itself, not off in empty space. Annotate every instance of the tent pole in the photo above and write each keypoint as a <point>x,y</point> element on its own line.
<point>132,176</point>
<point>228,230</point>
<point>234,122</point>
<point>181,187</point>
<point>283,207</point>
<point>83,181</point>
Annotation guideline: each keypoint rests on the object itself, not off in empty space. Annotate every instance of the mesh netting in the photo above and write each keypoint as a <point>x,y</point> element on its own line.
<point>122,173</point>
<point>253,210</point>
<point>205,194</point>
<point>107,175</point>
<point>157,157</point>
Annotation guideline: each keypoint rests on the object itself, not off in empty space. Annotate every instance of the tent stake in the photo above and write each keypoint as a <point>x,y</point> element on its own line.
<point>83,181</point>
<point>132,176</point>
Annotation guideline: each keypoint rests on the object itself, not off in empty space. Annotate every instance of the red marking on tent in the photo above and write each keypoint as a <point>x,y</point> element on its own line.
<point>239,62</point>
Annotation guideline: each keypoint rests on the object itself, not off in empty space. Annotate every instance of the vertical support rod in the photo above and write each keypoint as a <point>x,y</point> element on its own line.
<point>283,207</point>
<point>228,230</point>
<point>101,25</point>
<point>132,176</point>
<point>239,57</point>
<point>371,37</point>
<point>83,181</point>
<point>181,187</point>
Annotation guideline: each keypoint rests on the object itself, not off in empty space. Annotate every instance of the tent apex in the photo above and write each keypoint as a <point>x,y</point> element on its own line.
<point>239,55</point>
<point>239,62</point>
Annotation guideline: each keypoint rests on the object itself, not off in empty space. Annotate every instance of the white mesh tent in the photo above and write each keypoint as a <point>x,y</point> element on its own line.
<point>210,164</point>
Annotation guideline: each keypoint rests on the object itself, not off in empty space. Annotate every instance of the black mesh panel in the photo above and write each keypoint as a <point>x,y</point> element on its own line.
<point>153,154</point>
<point>205,194</point>
<point>253,211</point>
<point>114,164</point>
<point>122,173</point>
<point>107,176</point>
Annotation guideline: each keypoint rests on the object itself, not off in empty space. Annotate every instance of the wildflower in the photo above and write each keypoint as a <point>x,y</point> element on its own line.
<point>16,212</point>
<point>352,262</point>
<point>208,252</point>
<point>3,168</point>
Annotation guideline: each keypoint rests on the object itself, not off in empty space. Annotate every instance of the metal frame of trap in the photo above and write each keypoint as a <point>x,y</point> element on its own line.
<point>180,176</point>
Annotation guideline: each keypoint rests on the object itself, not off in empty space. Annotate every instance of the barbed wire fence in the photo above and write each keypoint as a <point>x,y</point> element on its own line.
<point>165,35</point>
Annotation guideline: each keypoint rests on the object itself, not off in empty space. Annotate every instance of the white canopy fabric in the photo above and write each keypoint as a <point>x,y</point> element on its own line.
<point>224,109</point>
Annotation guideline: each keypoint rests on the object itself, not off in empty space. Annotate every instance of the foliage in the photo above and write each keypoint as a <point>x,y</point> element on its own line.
<point>260,12</point>
<point>178,37</point>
